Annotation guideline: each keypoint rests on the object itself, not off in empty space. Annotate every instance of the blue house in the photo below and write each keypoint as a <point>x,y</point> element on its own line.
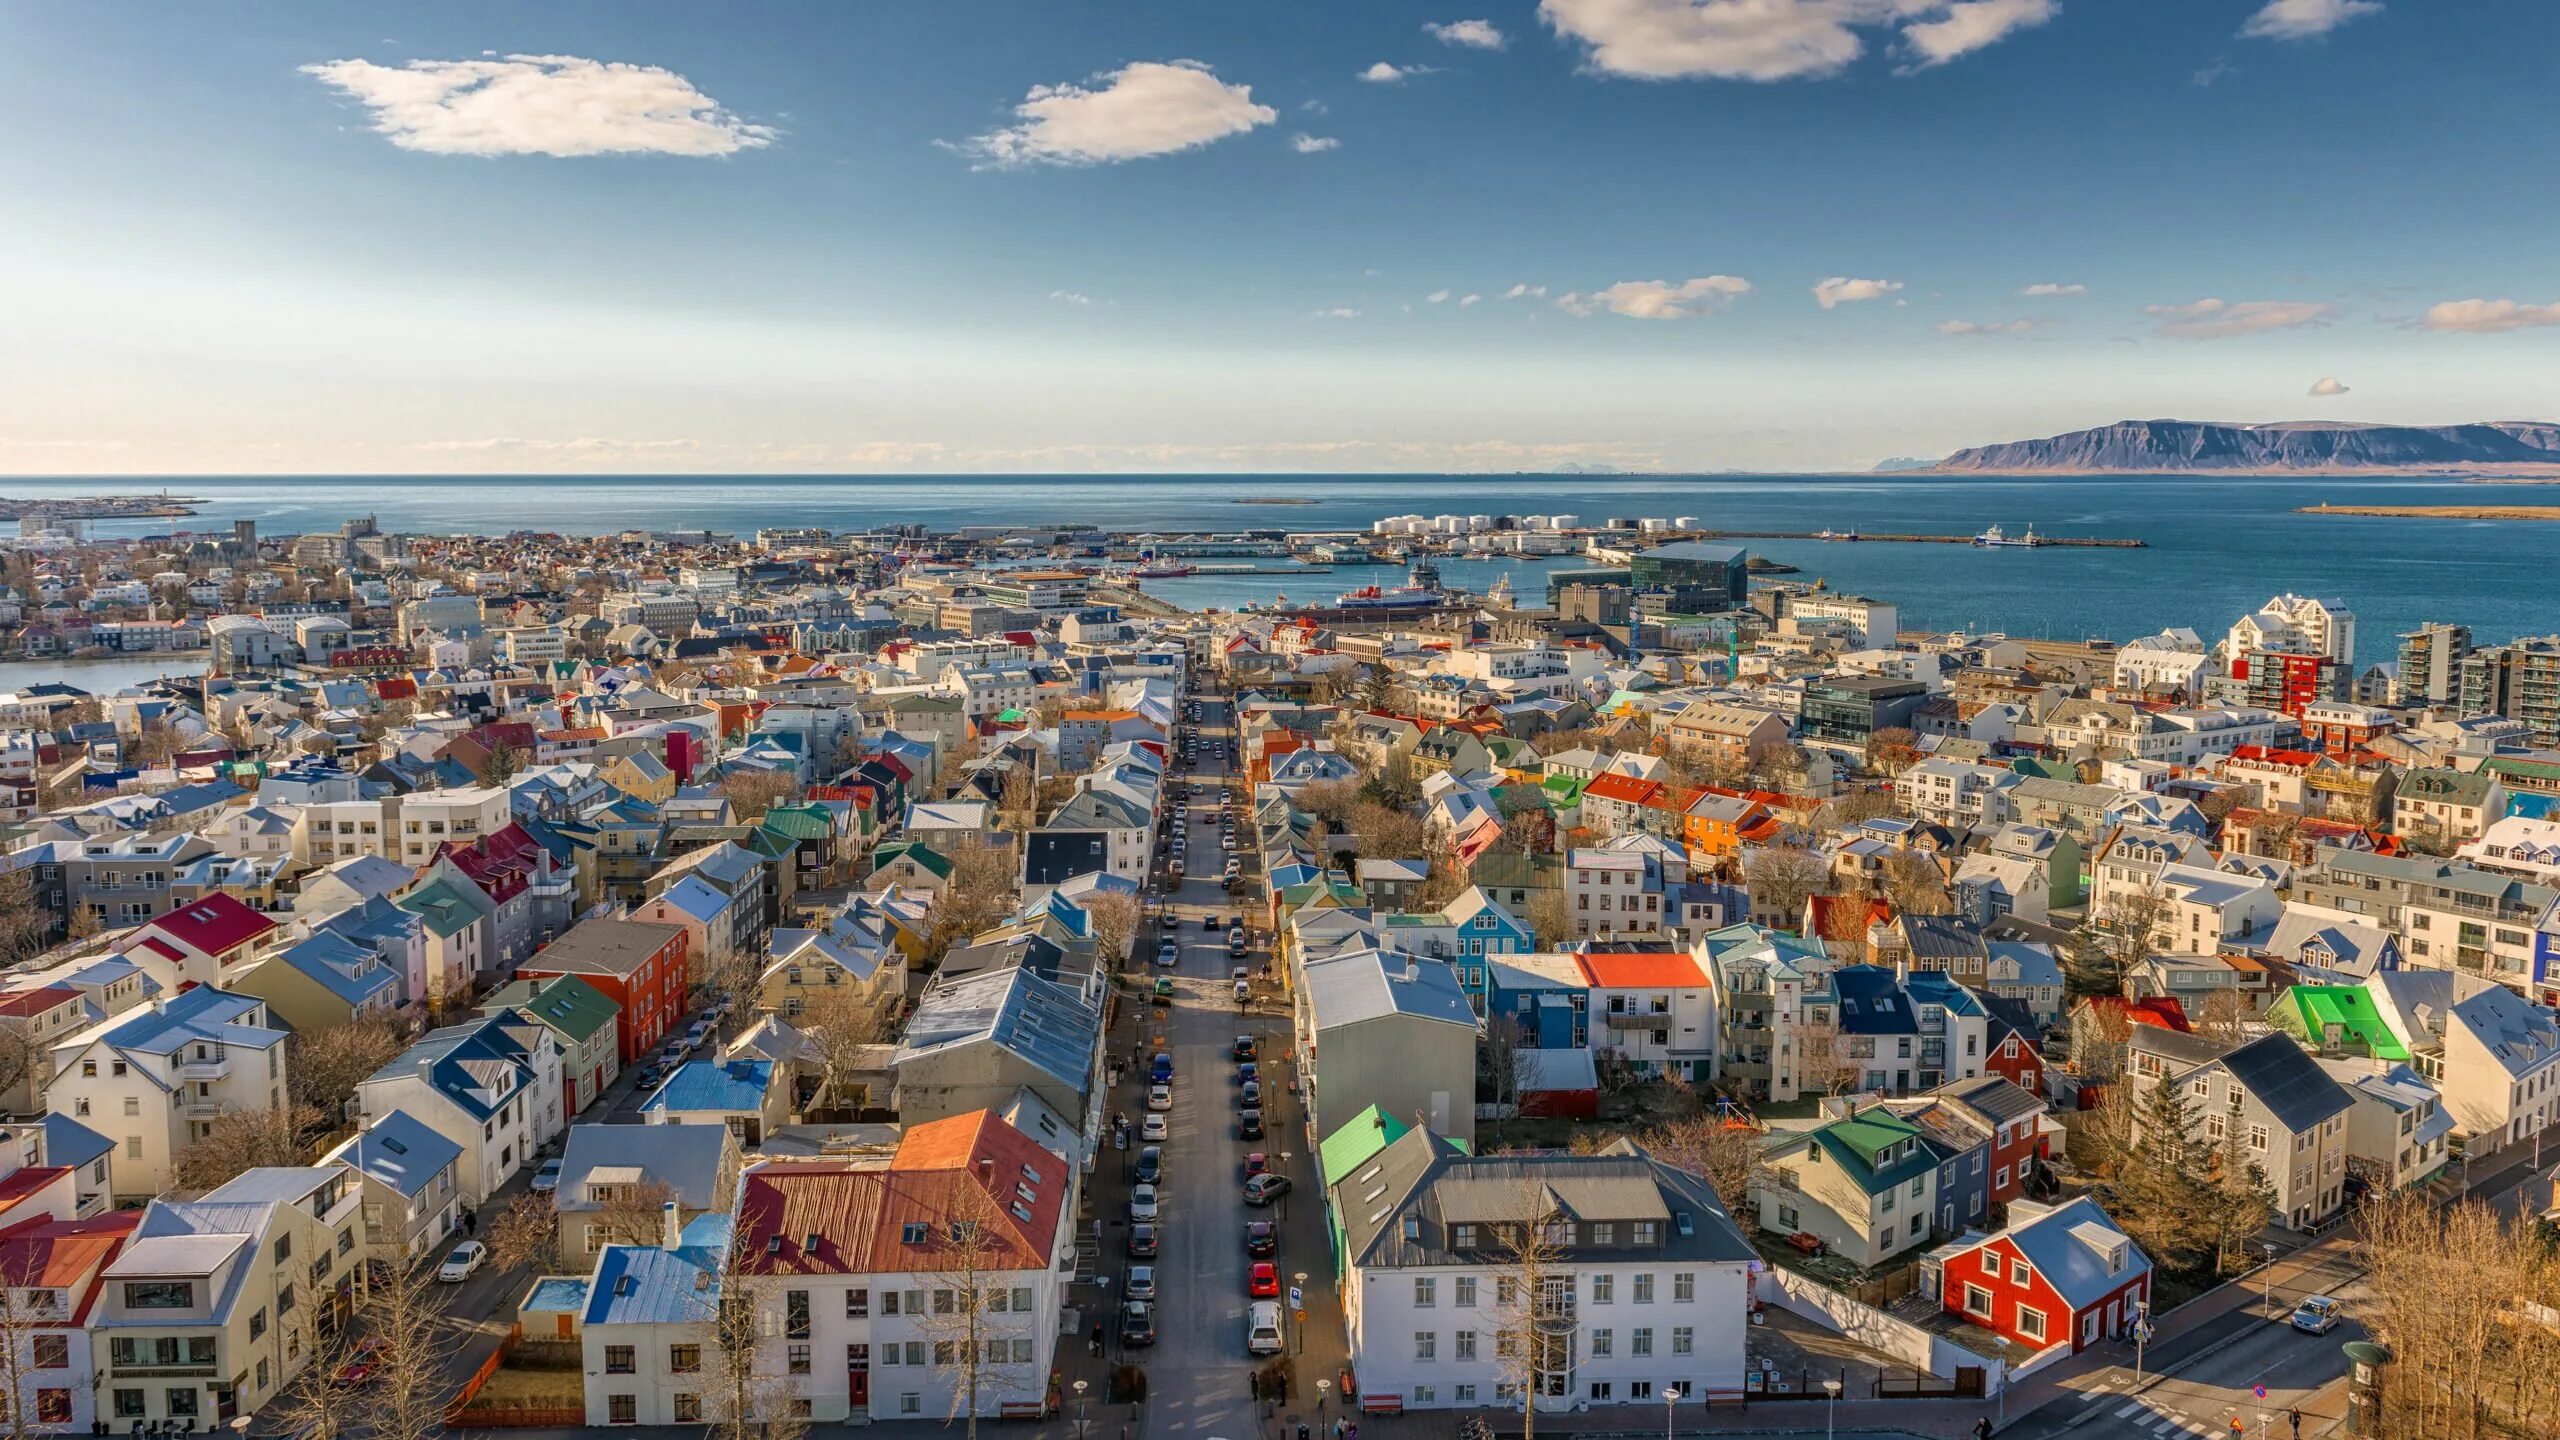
<point>1879,1031</point>
<point>1546,996</point>
<point>740,1094</point>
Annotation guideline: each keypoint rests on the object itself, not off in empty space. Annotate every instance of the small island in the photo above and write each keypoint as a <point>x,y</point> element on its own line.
<point>1271,500</point>
<point>2439,512</point>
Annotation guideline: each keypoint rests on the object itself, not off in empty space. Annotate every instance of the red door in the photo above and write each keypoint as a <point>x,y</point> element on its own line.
<point>858,1377</point>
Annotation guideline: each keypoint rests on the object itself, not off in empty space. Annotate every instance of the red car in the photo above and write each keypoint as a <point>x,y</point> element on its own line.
<point>362,1363</point>
<point>1255,1164</point>
<point>1262,1280</point>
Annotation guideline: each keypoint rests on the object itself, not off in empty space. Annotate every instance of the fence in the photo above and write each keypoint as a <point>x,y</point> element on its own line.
<point>1911,1344</point>
<point>469,1410</point>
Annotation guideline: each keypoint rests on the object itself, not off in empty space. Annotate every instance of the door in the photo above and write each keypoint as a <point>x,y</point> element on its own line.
<point>858,1377</point>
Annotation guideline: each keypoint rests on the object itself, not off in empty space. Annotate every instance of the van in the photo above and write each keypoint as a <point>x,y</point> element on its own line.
<point>1262,1328</point>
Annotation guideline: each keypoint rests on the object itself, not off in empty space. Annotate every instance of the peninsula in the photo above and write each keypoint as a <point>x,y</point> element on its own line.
<point>2291,447</point>
<point>2439,512</point>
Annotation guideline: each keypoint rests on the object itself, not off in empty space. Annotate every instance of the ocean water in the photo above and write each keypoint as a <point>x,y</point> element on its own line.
<point>2217,547</point>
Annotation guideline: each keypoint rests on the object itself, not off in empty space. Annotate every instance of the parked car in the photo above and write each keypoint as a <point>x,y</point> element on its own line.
<point>1159,1097</point>
<point>1141,1284</point>
<point>1235,943</point>
<point>1247,1072</point>
<point>547,1179</point>
<point>1256,1163</point>
<point>1261,1238</point>
<point>1164,989</point>
<point>1244,1047</point>
<point>1142,1203</point>
<point>1262,1328</point>
<point>1262,1279</point>
<point>1265,1188</point>
<point>362,1364</point>
<point>1249,1125</point>
<point>1174,867</point>
<point>1250,1096</point>
<point>1209,923</point>
<point>1168,954</point>
<point>651,1074</point>
<point>1138,1323</point>
<point>1151,1165</point>
<point>1160,1069</point>
<point>467,1257</point>
<point>1143,1241</point>
<point>2317,1314</point>
<point>1153,1128</point>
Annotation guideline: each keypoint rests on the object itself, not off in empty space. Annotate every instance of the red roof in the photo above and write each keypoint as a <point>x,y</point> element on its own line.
<point>214,925</point>
<point>1624,788</point>
<point>20,1183</point>
<point>2270,755</point>
<point>830,1218</point>
<point>64,1254</point>
<point>1664,969</point>
<point>502,863</point>
<point>28,1003</point>
<point>2161,1011</point>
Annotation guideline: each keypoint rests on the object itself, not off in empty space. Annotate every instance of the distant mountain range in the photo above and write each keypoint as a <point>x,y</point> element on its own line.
<point>2284,447</point>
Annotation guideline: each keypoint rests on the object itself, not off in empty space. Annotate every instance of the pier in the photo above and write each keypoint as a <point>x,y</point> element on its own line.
<point>2042,542</point>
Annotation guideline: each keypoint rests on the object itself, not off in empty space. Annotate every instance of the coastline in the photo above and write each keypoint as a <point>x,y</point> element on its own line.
<point>2437,512</point>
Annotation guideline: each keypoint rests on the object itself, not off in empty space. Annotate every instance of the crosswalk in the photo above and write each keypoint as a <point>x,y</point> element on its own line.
<point>2156,1417</point>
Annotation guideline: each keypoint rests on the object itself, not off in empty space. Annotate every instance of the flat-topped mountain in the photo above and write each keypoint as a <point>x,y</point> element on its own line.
<point>2290,446</point>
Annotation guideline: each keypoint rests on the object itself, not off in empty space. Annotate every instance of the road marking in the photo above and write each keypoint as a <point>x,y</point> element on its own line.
<point>2125,1409</point>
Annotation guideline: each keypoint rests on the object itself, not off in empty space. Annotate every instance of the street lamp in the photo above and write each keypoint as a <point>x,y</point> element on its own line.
<point>1322,1386</point>
<point>1670,1397</point>
<point>1080,1387</point>
<point>2269,1286</point>
<point>1831,1409</point>
<point>2141,1335</point>
<point>1284,1195</point>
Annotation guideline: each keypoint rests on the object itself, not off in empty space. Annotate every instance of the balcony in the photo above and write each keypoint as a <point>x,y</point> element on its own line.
<point>1637,1020</point>
<point>217,1067</point>
<point>200,1107</point>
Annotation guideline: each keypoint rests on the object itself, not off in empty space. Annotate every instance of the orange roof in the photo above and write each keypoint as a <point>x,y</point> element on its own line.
<point>45,1253</point>
<point>1623,788</point>
<point>1666,969</point>
<point>25,1003</point>
<point>825,1217</point>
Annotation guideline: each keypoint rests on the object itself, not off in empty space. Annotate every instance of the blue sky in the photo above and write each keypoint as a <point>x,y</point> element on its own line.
<point>1044,236</point>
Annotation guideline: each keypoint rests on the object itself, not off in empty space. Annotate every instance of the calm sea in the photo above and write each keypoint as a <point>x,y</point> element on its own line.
<point>2218,547</point>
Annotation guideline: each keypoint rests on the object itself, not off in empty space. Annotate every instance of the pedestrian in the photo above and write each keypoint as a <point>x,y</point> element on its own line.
<point>1302,1430</point>
<point>1352,1432</point>
<point>1337,1427</point>
<point>1982,1428</point>
<point>2294,1415</point>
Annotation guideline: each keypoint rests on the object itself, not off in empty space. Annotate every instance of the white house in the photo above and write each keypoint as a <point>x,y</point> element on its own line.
<point>490,1085</point>
<point>153,1080</point>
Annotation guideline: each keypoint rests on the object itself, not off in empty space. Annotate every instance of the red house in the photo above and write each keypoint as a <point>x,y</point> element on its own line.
<point>639,964</point>
<point>2015,1058</point>
<point>2059,1275</point>
<point>197,943</point>
<point>2011,1115</point>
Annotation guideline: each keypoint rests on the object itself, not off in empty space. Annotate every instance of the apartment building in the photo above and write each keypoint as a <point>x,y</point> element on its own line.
<point>153,1079</point>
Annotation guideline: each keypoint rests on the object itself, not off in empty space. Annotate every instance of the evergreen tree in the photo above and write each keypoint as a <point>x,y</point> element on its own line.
<point>2241,1199</point>
<point>2164,1189</point>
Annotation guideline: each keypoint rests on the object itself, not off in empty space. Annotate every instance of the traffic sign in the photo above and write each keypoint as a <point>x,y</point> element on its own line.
<point>2258,1390</point>
<point>1297,1301</point>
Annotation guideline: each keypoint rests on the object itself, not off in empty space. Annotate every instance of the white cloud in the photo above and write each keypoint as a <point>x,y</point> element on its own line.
<point>1338,312</point>
<point>1437,296</point>
<point>1659,299</point>
<point>2211,319</point>
<point>1970,25</point>
<point>2304,19</point>
<point>1139,110</point>
<point>1991,327</point>
<point>1841,290</point>
<point>2490,317</point>
<point>1525,291</point>
<point>2049,288</point>
<point>1383,73</point>
<point>1468,299</point>
<point>584,447</point>
<point>540,105</point>
<point>2328,385</point>
<point>1775,39</point>
<point>1306,144</point>
<point>1071,297</point>
<point>1475,34</point>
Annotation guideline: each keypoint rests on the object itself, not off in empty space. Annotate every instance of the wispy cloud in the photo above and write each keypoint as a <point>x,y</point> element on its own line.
<point>1468,299</point>
<point>2048,288</point>
<point>1071,297</point>
<point>1525,291</point>
<point>1474,34</point>
<point>1841,290</point>
<point>2211,319</point>
<point>2328,385</point>
<point>1437,296</point>
<point>1383,73</point>
<point>1992,327</point>
<point>1338,312</point>
<point>1970,25</point>
<point>1659,299</point>
<point>1140,110</point>
<point>2490,317</point>
<point>558,105</point>
<point>1306,144</point>
<point>2304,19</point>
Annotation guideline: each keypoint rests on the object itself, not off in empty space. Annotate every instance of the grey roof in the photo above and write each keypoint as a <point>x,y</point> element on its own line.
<point>1048,1024</point>
<point>1942,937</point>
<point>2066,1246</point>
<point>1996,1098</point>
<point>2285,1079</point>
<point>1425,1176</point>
<point>400,1151</point>
<point>1360,985</point>
<point>684,1158</point>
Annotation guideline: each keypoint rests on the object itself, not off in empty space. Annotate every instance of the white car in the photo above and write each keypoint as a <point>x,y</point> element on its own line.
<point>1159,1097</point>
<point>468,1256</point>
<point>1153,1129</point>
<point>1142,1203</point>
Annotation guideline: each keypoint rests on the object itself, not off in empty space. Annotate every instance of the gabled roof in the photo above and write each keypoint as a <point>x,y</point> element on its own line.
<point>2068,1246</point>
<point>689,1159</point>
<point>398,1150</point>
<point>2287,1081</point>
<point>566,1003</point>
<point>825,1217</point>
<point>1872,1002</point>
<point>1665,969</point>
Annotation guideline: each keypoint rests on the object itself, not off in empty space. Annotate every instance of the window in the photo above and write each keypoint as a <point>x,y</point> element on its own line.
<point>1644,1289</point>
<point>684,1359</point>
<point>1787,1213</point>
<point>159,1295</point>
<point>1426,1345</point>
<point>1425,1292</point>
<point>622,1409</point>
<point>131,1404</point>
<point>911,1403</point>
<point>284,1301</point>
<point>796,1358</point>
<point>1462,1237</point>
<point>133,1104</point>
<point>857,1304</point>
<point>1977,1301</point>
<point>1640,1343</point>
<point>1603,1344</point>
<point>1425,1395</point>
<point>1604,1289</point>
<point>621,1359</point>
<point>1466,1345</point>
<point>795,1314</point>
<point>2031,1323</point>
<point>52,1352</point>
<point>915,1352</point>
<point>1684,1287</point>
<point>1604,1232</point>
<point>257,1324</point>
<point>284,1247</point>
<point>688,1407</point>
<point>1464,1395</point>
<point>1684,1340</point>
<point>181,1400</point>
<point>2020,1272</point>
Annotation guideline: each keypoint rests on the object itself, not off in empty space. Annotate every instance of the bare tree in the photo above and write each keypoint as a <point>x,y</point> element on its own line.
<point>1727,1154</point>
<point>26,922</point>
<point>1847,812</point>
<point>239,1140</point>
<point>1329,800</point>
<point>1019,808</point>
<point>2119,934</point>
<point>1782,878</point>
<point>975,1323</point>
<point>1115,918</point>
<point>1892,749</point>
<point>325,1066</point>
<point>1823,1061</point>
<point>1915,884</point>
<point>1387,833</point>
<point>631,1215</point>
<point>404,1311</point>
<point>526,1233</point>
<point>1550,917</point>
<point>21,1369</point>
<point>2222,1015</point>
<point>839,1021</point>
<point>1532,1332</point>
<point>750,793</point>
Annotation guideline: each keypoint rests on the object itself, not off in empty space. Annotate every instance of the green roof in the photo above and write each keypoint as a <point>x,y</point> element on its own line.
<point>2045,769</point>
<point>1861,1142</point>
<point>2317,1007</point>
<point>1351,1147</point>
<point>1564,787</point>
<point>567,1004</point>
<point>923,854</point>
<point>2518,765</point>
<point>801,822</point>
<point>443,905</point>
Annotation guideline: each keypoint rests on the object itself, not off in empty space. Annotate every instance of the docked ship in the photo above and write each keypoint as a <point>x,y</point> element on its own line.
<point>1995,538</point>
<point>1422,588</point>
<point>1151,568</point>
<point>1849,534</point>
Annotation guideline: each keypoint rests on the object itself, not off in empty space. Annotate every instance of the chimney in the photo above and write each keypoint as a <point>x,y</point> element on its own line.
<point>1412,972</point>
<point>671,1225</point>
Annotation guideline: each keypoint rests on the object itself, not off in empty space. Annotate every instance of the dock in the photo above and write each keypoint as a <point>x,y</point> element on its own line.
<point>2042,542</point>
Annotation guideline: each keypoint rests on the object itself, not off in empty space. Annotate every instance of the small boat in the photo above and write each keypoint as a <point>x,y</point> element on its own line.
<point>1995,538</point>
<point>1849,534</point>
<point>1163,571</point>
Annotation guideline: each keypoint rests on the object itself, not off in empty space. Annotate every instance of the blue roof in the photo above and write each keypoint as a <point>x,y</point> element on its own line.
<point>204,1013</point>
<point>721,1085</point>
<point>556,1295</point>
<point>68,1142</point>
<point>351,972</point>
<point>646,1285</point>
<point>1930,987</point>
<point>400,1151</point>
<point>468,1061</point>
<point>1872,1002</point>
